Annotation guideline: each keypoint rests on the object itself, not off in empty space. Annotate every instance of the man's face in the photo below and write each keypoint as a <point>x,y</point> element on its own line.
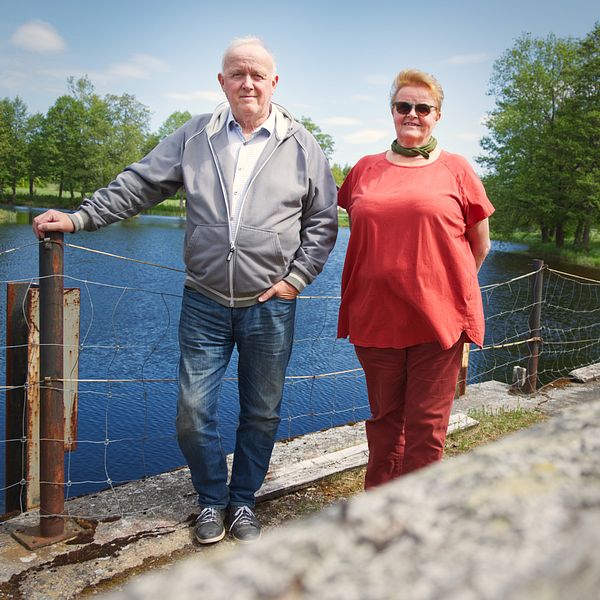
<point>248,80</point>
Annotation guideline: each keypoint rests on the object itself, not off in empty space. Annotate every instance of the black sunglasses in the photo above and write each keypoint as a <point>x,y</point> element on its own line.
<point>403,108</point>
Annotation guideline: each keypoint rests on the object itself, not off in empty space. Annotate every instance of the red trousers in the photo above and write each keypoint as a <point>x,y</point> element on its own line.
<point>411,391</point>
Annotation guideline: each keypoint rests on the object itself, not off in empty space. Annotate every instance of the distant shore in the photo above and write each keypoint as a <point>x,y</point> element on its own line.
<point>173,208</point>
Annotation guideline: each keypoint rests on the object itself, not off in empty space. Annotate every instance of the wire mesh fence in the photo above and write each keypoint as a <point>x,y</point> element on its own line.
<point>128,355</point>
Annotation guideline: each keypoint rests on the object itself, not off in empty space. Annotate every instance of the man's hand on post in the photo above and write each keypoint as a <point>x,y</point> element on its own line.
<point>52,220</point>
<point>282,289</point>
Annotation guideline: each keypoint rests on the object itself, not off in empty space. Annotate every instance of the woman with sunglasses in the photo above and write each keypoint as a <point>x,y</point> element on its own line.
<point>410,296</point>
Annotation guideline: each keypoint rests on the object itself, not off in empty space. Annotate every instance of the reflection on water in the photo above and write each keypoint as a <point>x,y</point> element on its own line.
<point>129,315</point>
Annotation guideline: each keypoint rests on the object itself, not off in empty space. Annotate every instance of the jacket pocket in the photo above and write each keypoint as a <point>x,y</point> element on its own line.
<point>206,256</point>
<point>260,262</point>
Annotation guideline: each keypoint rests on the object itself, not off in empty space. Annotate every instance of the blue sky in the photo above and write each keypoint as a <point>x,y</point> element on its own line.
<point>336,60</point>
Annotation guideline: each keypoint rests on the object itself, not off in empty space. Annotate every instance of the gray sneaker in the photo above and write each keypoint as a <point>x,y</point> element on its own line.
<point>209,526</point>
<point>243,524</point>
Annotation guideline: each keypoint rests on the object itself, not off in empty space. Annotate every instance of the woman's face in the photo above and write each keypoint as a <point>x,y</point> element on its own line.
<point>413,130</point>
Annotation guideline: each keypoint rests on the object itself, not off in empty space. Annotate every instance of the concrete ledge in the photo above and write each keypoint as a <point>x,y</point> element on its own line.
<point>586,374</point>
<point>516,519</point>
<point>138,525</point>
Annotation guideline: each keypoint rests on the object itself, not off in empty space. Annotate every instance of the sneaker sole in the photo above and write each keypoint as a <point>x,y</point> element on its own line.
<point>239,541</point>
<point>212,540</point>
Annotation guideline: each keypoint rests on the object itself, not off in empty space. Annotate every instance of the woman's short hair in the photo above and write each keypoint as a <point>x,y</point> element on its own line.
<point>416,77</point>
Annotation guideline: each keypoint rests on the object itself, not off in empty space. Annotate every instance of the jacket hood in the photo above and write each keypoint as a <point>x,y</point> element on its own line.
<point>285,125</point>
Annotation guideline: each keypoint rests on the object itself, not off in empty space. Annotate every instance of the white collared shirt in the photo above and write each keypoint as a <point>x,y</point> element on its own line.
<point>245,155</point>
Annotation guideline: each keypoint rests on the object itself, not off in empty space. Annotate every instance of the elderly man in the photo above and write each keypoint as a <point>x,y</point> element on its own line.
<point>261,221</point>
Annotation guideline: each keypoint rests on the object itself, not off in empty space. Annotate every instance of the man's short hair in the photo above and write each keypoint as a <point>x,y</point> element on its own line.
<point>246,41</point>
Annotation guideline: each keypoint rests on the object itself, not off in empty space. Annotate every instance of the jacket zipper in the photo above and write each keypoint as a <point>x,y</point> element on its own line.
<point>233,235</point>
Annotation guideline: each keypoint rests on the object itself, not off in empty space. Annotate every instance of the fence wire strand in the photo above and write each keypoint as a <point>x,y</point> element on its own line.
<point>130,339</point>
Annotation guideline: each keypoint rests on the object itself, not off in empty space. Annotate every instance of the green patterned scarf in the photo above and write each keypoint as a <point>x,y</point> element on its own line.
<point>423,151</point>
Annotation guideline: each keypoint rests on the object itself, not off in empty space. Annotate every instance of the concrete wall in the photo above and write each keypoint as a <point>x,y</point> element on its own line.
<point>516,519</point>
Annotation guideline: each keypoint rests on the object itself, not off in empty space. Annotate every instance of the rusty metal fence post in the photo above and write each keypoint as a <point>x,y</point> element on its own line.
<point>51,429</point>
<point>51,375</point>
<point>16,379</point>
<point>535,325</point>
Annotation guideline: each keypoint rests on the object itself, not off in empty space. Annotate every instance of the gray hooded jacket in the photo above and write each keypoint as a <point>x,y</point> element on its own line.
<point>288,219</point>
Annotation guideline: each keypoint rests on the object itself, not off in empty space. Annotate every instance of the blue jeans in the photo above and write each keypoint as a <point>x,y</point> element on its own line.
<point>208,332</point>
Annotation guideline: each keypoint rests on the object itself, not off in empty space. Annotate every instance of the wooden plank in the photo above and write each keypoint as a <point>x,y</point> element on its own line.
<point>586,374</point>
<point>293,477</point>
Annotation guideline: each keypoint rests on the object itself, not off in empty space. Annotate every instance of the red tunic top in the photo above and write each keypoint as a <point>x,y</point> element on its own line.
<point>409,276</point>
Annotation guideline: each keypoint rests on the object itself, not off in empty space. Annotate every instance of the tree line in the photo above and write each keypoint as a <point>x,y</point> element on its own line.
<point>84,140</point>
<point>542,153</point>
<point>541,156</point>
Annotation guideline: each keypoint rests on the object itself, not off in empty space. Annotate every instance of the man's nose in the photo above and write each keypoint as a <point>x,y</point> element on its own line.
<point>247,82</point>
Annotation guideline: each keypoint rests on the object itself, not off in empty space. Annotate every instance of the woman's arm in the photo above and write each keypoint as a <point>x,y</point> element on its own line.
<point>479,239</point>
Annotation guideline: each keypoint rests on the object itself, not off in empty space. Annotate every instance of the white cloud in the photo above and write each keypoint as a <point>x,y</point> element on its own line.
<point>342,121</point>
<point>140,66</point>
<point>13,80</point>
<point>197,95</point>
<point>467,59</point>
<point>366,136</point>
<point>38,36</point>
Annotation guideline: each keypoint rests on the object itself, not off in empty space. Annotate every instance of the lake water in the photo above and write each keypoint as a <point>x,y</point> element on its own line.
<point>129,315</point>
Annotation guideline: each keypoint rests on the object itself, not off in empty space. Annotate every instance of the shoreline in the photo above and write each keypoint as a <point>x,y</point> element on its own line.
<point>520,242</point>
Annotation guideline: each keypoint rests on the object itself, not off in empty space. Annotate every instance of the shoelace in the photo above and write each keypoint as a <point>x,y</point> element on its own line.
<point>244,516</point>
<point>207,515</point>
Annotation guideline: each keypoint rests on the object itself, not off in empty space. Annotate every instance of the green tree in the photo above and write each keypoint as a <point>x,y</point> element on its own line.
<point>129,125</point>
<point>91,169</point>
<point>526,151</point>
<point>173,122</point>
<point>64,128</point>
<point>91,139</point>
<point>582,119</point>
<point>4,144</point>
<point>37,150</point>
<point>339,173</point>
<point>13,143</point>
<point>324,139</point>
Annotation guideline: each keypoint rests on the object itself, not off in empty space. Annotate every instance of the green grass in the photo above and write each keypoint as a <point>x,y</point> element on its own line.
<point>547,251</point>
<point>48,198</point>
<point>167,208</point>
<point>491,426</point>
<point>341,486</point>
<point>343,220</point>
<point>7,216</point>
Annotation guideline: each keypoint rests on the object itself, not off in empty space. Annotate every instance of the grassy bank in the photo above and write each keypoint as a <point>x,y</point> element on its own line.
<point>548,251</point>
<point>7,216</point>
<point>341,486</point>
<point>50,199</point>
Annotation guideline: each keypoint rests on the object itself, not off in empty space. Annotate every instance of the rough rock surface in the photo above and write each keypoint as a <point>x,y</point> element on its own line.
<point>516,519</point>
